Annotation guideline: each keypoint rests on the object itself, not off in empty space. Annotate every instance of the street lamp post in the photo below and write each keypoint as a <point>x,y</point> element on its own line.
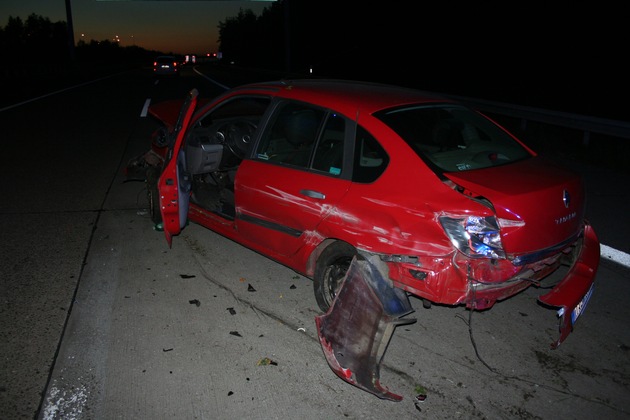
<point>70,29</point>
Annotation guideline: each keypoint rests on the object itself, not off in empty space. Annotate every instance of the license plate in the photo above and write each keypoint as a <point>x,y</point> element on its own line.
<point>579,308</point>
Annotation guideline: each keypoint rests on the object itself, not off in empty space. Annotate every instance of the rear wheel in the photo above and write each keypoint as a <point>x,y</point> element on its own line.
<point>153,175</point>
<point>330,270</point>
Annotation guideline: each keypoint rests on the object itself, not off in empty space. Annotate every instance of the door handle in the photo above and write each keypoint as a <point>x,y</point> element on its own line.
<point>313,194</point>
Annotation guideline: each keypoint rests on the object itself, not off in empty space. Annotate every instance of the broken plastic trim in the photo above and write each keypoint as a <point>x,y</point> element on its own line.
<point>572,294</point>
<point>359,324</point>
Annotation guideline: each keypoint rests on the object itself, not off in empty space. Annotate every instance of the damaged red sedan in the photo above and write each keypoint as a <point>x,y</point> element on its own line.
<point>374,192</point>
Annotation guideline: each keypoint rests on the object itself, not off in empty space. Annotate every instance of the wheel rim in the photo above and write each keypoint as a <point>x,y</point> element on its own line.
<point>333,277</point>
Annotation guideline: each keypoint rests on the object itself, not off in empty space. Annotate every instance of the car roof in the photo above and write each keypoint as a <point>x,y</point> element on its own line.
<point>346,95</point>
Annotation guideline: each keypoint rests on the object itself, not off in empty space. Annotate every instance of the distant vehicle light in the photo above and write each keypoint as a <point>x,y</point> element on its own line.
<point>166,65</point>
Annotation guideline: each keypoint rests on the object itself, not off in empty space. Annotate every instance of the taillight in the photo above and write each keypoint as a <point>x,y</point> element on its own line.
<point>475,236</point>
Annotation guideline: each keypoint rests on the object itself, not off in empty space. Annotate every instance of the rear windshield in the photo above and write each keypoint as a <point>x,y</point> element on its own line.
<point>453,138</point>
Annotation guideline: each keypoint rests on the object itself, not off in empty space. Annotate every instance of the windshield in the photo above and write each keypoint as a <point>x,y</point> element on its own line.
<point>452,137</point>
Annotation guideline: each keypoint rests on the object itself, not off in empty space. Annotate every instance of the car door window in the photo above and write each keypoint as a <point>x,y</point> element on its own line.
<point>329,151</point>
<point>223,137</point>
<point>291,135</point>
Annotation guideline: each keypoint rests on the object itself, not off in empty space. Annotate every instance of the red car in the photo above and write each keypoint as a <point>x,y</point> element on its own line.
<point>375,192</point>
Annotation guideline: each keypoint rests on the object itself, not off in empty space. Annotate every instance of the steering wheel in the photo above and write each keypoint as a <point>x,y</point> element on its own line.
<point>237,136</point>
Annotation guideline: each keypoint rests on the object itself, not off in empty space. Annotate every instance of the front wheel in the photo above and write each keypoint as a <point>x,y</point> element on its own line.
<point>330,271</point>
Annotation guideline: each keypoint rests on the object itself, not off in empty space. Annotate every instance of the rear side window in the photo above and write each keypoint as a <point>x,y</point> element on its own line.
<point>370,159</point>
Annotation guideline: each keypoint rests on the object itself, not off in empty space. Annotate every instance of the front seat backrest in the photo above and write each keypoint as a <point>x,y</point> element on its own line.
<point>301,128</point>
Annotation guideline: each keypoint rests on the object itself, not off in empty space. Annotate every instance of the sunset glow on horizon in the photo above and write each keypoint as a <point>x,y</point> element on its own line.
<point>173,26</point>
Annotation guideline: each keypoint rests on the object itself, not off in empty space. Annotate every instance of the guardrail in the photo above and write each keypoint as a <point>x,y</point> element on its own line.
<point>583,123</point>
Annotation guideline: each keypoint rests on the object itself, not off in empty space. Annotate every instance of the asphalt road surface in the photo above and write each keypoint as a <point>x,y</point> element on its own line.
<point>102,320</point>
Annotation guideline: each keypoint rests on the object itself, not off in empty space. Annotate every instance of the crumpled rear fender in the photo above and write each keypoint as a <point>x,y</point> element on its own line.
<point>358,326</point>
<point>572,294</point>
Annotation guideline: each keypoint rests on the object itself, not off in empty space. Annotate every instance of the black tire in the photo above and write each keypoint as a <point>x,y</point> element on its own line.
<point>153,175</point>
<point>330,270</point>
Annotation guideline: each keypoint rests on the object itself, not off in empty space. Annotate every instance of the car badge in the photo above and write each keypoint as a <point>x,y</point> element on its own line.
<point>566,198</point>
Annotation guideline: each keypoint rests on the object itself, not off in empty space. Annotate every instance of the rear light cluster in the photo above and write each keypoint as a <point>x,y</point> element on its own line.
<point>155,64</point>
<point>474,236</point>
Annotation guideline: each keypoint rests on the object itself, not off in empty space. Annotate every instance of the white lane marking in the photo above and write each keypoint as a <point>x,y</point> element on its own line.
<point>145,108</point>
<point>57,91</point>
<point>69,404</point>
<point>615,255</point>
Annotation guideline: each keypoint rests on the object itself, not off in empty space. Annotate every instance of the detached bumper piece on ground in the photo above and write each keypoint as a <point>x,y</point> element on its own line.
<point>357,328</point>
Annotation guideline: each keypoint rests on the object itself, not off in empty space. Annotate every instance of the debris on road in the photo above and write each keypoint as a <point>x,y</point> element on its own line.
<point>421,393</point>
<point>265,361</point>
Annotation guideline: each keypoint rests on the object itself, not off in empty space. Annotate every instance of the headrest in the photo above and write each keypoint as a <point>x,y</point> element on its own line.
<point>448,134</point>
<point>301,127</point>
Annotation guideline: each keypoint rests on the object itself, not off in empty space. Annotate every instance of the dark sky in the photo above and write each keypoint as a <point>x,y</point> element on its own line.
<point>571,53</point>
<point>177,26</point>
